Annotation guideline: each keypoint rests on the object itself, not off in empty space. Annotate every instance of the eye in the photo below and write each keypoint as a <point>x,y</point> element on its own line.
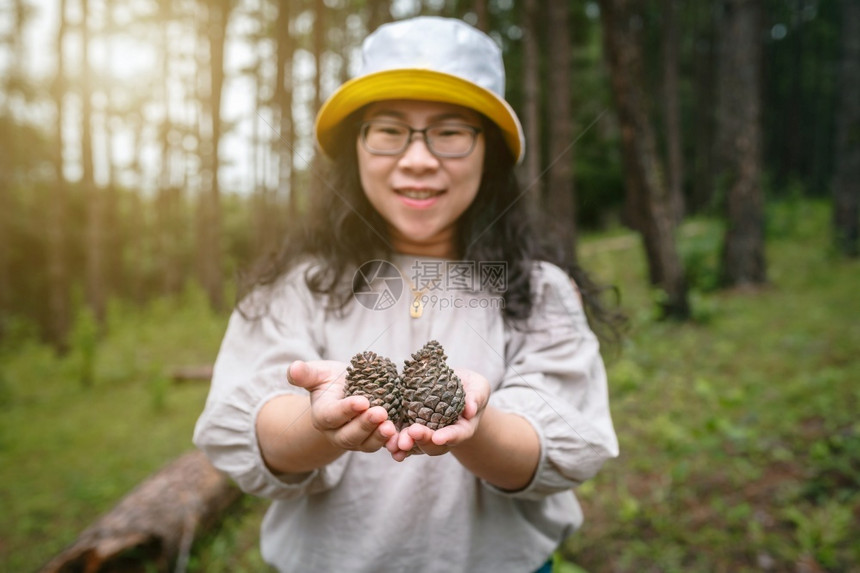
<point>449,131</point>
<point>391,129</point>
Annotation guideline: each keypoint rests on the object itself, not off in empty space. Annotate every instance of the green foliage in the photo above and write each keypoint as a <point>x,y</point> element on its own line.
<point>821,532</point>
<point>234,546</point>
<point>83,340</point>
<point>599,181</point>
<point>69,452</point>
<point>834,467</point>
<point>739,440</point>
<point>787,215</point>
<point>700,255</point>
<point>800,94</point>
<point>144,340</point>
<point>137,252</point>
<point>559,565</point>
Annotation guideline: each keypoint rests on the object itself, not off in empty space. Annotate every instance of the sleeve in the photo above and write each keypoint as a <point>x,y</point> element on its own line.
<point>250,370</point>
<point>555,378</point>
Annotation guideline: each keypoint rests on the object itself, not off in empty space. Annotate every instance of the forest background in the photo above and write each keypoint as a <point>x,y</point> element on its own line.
<point>150,149</point>
<point>159,143</point>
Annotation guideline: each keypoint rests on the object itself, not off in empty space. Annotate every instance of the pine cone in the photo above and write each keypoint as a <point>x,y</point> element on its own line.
<point>375,377</point>
<point>432,394</point>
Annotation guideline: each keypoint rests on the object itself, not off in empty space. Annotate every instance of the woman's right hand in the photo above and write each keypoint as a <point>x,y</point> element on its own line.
<point>347,423</point>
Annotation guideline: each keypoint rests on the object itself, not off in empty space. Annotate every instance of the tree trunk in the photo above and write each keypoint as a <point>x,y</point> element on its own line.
<point>319,46</point>
<point>136,226</point>
<point>378,13</point>
<point>318,51</point>
<point>743,261</point>
<point>560,189</point>
<point>112,242</point>
<point>6,208</point>
<point>846,185</point>
<point>263,208</point>
<point>96,292</point>
<point>209,250</point>
<point>672,109</point>
<point>643,176</point>
<point>153,527</point>
<point>531,171</point>
<point>482,15</point>
<point>705,64</point>
<point>15,73</point>
<point>169,197</point>
<point>58,297</point>
<point>793,154</point>
<point>287,180</point>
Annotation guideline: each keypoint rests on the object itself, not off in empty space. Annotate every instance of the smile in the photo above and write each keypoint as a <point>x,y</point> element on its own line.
<point>418,194</point>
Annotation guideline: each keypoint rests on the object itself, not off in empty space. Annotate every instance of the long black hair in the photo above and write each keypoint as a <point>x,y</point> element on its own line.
<point>341,230</point>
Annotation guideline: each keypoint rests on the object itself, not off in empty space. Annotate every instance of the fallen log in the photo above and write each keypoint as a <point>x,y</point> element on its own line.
<point>191,374</point>
<point>155,524</point>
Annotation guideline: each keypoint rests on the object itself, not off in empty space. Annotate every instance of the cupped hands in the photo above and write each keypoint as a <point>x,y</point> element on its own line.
<point>352,424</point>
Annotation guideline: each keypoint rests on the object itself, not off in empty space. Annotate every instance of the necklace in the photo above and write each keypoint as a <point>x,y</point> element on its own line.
<point>416,307</point>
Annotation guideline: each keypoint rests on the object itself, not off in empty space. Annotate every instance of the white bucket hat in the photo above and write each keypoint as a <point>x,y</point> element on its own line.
<point>426,58</point>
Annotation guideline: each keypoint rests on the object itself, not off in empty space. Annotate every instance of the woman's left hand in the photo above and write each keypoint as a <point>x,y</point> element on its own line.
<point>418,438</point>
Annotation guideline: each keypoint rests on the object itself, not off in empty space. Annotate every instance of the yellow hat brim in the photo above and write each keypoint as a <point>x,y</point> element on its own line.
<point>415,84</point>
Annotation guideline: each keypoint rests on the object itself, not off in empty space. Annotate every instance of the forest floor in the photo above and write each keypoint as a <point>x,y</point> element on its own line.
<point>739,432</point>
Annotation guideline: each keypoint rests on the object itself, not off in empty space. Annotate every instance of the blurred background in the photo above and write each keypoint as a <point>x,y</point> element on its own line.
<point>702,156</point>
<point>148,144</point>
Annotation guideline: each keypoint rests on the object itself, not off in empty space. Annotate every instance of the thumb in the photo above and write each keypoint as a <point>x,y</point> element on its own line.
<point>301,374</point>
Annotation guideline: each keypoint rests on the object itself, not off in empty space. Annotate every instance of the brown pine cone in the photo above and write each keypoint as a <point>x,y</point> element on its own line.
<point>432,394</point>
<point>375,377</point>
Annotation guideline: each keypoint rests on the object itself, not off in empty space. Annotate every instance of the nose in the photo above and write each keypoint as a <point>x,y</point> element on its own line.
<point>417,155</point>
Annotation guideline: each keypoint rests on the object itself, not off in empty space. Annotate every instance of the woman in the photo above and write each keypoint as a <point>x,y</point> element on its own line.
<point>416,237</point>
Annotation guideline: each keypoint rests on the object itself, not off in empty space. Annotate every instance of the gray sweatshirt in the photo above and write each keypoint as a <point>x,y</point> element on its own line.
<point>366,512</point>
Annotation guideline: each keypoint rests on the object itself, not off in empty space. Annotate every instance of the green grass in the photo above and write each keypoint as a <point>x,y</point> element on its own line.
<point>72,444</point>
<point>739,431</point>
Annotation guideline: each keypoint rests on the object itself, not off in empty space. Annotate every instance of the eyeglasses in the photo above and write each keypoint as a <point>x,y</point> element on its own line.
<point>445,140</point>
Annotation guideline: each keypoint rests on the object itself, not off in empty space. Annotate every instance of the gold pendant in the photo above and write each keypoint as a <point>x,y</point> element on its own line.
<point>417,308</point>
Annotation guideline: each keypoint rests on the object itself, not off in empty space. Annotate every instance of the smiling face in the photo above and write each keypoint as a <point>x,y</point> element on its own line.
<point>419,195</point>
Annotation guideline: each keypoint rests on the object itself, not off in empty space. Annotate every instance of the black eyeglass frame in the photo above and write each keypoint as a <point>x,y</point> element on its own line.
<point>428,142</point>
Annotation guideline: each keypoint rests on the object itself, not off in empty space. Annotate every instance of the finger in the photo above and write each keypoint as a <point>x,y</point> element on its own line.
<point>419,432</point>
<point>447,435</point>
<point>428,447</point>
<point>405,441</point>
<point>311,374</point>
<point>422,438</point>
<point>333,415</point>
<point>432,450</point>
<point>471,408</point>
<point>299,373</point>
<point>477,392</point>
<point>356,432</point>
<point>387,429</point>
<point>391,443</point>
<point>379,437</point>
<point>393,446</point>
